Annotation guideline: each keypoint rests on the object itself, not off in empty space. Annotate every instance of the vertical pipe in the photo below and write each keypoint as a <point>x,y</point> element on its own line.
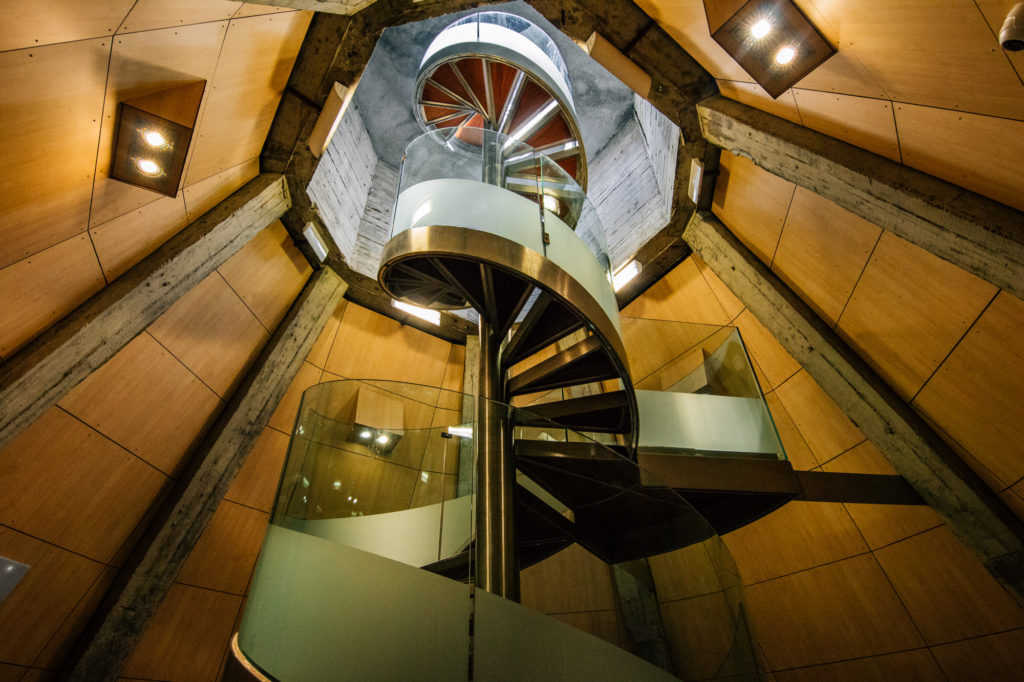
<point>497,561</point>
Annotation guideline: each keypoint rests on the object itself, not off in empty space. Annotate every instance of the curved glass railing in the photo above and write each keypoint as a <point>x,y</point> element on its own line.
<point>501,33</point>
<point>482,180</point>
<point>375,508</point>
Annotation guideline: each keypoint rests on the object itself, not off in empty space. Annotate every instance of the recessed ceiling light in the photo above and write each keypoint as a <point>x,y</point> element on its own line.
<point>148,166</point>
<point>383,439</point>
<point>761,29</point>
<point>785,55</point>
<point>154,138</point>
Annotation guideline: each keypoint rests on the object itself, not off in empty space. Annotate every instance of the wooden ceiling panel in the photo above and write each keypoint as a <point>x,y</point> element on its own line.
<point>143,63</point>
<point>825,428</point>
<point>242,99</point>
<point>48,142</point>
<point>686,22</point>
<point>838,611</point>
<point>224,556</point>
<point>124,241</point>
<point>981,153</point>
<point>30,23</point>
<point>946,589</point>
<point>686,572</point>
<point>975,394</point>
<point>282,272</point>
<point>682,295</point>
<point>414,356</point>
<point>212,332</point>
<point>923,52</point>
<point>754,95</point>
<point>777,364</point>
<point>284,415</point>
<point>703,653</point>
<point>570,580</point>
<point>256,482</point>
<point>147,15</point>
<point>881,524</point>
<point>43,288</point>
<point>861,121</point>
<point>822,251</point>
<point>730,304</point>
<point>146,401</point>
<point>752,203</point>
<point>797,452</point>
<point>201,196</point>
<point>995,657</point>
<point>908,311</point>
<point>995,12</point>
<point>60,645</point>
<point>918,664</point>
<point>252,9</point>
<point>187,636</point>
<point>36,609</point>
<point>797,536</point>
<point>96,491</point>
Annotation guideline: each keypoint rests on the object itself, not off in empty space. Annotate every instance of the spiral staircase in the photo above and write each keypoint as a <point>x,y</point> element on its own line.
<point>483,91</point>
<point>492,215</point>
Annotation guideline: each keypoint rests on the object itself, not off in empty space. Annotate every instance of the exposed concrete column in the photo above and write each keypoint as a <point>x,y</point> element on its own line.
<point>972,510</point>
<point>40,374</point>
<point>977,234</point>
<point>143,582</point>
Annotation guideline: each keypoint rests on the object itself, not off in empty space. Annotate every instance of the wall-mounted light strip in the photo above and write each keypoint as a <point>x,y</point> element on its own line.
<point>624,274</point>
<point>432,316</point>
<point>315,241</point>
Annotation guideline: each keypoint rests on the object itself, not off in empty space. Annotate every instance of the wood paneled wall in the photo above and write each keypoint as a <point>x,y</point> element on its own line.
<point>577,588</point>
<point>922,83</point>
<point>944,339</point>
<point>838,591</point>
<point>80,482</point>
<point>69,229</point>
<point>189,635</point>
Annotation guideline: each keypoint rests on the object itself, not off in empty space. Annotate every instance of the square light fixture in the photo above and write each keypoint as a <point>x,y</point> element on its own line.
<point>771,39</point>
<point>153,136</point>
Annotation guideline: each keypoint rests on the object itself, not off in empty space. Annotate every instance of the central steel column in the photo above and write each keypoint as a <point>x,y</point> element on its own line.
<point>497,560</point>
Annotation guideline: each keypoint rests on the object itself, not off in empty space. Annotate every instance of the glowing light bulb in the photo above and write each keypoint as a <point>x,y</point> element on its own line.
<point>154,139</point>
<point>785,55</point>
<point>551,203</point>
<point>760,29</point>
<point>148,166</point>
<point>383,439</point>
<point>364,434</point>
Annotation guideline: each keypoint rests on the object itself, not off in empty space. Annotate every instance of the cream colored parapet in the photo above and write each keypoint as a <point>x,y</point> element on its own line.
<point>497,211</point>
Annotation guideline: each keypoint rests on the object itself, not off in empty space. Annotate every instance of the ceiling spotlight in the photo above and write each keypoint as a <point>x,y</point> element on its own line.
<point>760,29</point>
<point>148,166</point>
<point>365,434</point>
<point>773,40</point>
<point>154,138</point>
<point>550,203</point>
<point>785,55</point>
<point>383,439</point>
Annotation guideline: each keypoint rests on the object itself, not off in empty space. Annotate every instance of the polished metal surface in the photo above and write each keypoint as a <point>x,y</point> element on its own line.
<point>497,564</point>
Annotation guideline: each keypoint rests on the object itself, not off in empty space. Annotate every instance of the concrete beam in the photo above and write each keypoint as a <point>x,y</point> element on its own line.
<point>978,234</point>
<point>972,509</point>
<point>40,374</point>
<point>128,607</point>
